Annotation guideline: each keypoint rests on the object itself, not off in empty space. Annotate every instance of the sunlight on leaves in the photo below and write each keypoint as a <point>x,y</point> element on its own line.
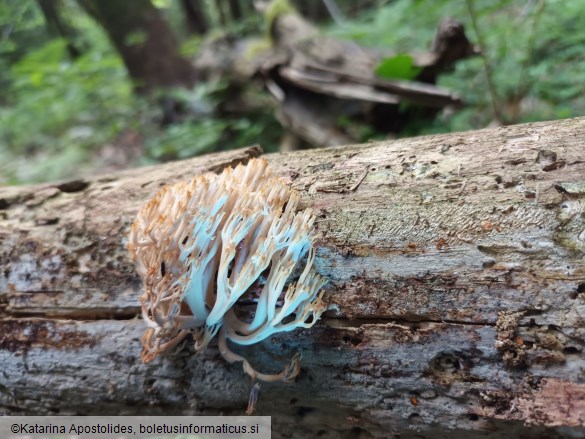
<point>398,67</point>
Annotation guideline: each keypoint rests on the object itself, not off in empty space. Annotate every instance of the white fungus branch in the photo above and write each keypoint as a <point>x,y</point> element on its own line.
<point>203,246</point>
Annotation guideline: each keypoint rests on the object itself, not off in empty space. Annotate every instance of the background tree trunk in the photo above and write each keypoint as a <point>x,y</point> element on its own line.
<point>145,43</point>
<point>315,11</point>
<point>195,16</point>
<point>222,13</point>
<point>57,27</point>
<point>457,293</point>
<point>235,10</point>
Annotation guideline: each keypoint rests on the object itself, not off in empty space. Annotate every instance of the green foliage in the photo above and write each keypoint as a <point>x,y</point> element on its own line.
<point>57,114</point>
<point>21,25</point>
<point>57,109</point>
<point>206,131</point>
<point>190,47</point>
<point>186,139</point>
<point>276,8</point>
<point>135,38</point>
<point>398,67</point>
<point>20,22</point>
<point>535,49</point>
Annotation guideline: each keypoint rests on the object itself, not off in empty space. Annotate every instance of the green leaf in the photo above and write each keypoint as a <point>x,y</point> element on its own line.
<point>135,38</point>
<point>398,67</point>
<point>161,4</point>
<point>36,79</point>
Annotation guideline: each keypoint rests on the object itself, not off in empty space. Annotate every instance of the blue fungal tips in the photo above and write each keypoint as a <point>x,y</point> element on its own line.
<point>230,256</point>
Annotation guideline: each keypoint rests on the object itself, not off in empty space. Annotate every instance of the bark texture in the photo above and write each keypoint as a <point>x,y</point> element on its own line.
<point>457,294</point>
<point>145,43</point>
<point>195,16</point>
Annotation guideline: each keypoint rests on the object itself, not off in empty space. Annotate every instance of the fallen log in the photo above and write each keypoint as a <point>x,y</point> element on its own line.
<point>306,66</point>
<point>319,82</point>
<point>456,294</point>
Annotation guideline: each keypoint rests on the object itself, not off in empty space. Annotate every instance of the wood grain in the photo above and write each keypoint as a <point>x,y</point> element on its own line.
<point>456,294</point>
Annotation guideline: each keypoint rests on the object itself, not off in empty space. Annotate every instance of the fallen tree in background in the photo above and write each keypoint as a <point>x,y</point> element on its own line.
<point>456,295</point>
<point>319,82</point>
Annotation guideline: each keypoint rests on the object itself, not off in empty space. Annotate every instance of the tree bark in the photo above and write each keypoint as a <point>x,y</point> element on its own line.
<point>235,10</point>
<point>222,13</point>
<point>456,294</point>
<point>195,16</point>
<point>57,27</point>
<point>315,11</point>
<point>145,43</point>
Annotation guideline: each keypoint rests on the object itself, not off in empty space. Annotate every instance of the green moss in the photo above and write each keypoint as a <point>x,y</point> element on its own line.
<point>276,8</point>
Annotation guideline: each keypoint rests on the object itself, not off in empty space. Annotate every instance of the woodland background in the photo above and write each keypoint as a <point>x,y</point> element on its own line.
<point>455,261</point>
<point>70,106</point>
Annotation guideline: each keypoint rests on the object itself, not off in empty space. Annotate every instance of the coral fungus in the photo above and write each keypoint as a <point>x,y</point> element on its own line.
<point>205,246</point>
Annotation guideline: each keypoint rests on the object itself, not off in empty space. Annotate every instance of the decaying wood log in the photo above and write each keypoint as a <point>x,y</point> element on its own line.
<point>306,66</point>
<point>456,295</point>
<point>313,61</point>
<point>319,81</point>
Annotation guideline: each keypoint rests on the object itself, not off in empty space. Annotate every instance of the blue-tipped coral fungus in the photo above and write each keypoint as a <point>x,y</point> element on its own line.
<point>205,247</point>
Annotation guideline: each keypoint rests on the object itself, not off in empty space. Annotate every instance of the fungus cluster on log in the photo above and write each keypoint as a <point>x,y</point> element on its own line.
<point>203,247</point>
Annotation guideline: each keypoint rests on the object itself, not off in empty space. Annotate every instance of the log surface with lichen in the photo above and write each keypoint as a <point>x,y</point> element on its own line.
<point>457,293</point>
